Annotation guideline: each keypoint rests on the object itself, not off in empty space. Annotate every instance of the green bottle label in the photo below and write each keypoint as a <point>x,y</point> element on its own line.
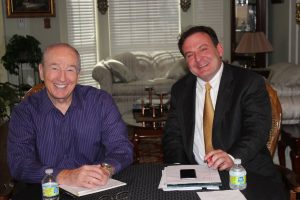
<point>50,189</point>
<point>238,180</point>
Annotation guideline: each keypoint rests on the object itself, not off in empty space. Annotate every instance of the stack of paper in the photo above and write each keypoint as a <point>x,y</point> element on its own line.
<point>205,178</point>
<point>80,191</point>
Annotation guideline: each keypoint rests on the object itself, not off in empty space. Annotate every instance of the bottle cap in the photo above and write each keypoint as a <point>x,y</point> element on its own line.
<point>49,171</point>
<point>237,161</point>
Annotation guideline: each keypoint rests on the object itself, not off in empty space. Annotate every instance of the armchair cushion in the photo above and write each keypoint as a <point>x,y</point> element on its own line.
<point>285,79</point>
<point>286,74</point>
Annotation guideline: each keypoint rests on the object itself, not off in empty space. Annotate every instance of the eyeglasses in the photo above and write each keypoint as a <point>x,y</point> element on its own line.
<point>119,196</point>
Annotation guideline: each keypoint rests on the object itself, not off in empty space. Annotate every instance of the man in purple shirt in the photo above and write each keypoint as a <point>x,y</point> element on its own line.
<point>76,130</point>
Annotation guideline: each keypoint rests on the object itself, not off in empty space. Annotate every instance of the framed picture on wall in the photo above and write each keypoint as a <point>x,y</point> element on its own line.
<point>30,8</point>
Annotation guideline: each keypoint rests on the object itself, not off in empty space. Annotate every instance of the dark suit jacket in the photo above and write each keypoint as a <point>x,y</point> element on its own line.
<point>241,124</point>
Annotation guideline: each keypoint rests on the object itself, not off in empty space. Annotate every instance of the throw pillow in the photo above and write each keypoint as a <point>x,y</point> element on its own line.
<point>120,72</point>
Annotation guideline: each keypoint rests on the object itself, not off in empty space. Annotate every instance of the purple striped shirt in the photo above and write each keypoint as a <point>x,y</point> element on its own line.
<point>91,132</point>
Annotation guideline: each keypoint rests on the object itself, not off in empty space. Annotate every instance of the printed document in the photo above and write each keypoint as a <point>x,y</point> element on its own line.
<point>206,177</point>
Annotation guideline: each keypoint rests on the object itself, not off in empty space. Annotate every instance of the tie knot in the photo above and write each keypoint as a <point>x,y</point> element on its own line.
<point>207,86</point>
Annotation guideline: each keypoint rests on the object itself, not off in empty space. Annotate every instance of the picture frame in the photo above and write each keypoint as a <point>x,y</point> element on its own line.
<point>277,1</point>
<point>30,8</point>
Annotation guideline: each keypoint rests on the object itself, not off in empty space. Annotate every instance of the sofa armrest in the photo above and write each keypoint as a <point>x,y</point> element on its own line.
<point>103,76</point>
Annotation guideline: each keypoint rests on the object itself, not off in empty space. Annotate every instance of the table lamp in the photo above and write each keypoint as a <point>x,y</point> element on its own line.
<point>253,43</point>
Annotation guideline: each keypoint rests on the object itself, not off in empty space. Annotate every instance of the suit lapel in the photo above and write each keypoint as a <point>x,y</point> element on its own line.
<point>223,102</point>
<point>188,109</point>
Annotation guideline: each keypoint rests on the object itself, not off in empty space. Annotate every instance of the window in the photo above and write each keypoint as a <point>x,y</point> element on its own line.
<point>210,13</point>
<point>143,25</point>
<point>81,20</point>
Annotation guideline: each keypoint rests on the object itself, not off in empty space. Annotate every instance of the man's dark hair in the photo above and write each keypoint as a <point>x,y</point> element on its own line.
<point>197,29</point>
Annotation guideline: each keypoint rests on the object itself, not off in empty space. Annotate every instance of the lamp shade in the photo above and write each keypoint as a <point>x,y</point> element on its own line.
<point>254,42</point>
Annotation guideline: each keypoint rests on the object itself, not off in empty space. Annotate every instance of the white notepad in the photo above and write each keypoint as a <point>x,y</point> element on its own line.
<point>222,195</point>
<point>81,191</point>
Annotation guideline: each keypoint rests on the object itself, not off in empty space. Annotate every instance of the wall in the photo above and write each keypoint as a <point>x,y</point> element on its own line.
<point>3,74</point>
<point>284,33</point>
<point>279,28</point>
<point>35,28</point>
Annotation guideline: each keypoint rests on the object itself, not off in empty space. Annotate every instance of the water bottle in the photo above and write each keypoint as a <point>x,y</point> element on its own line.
<point>237,176</point>
<point>50,186</point>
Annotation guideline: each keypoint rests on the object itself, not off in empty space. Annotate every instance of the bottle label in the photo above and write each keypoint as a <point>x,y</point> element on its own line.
<point>238,180</point>
<point>50,189</point>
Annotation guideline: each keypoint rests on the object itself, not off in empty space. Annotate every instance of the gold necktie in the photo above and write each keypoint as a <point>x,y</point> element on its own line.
<point>208,117</point>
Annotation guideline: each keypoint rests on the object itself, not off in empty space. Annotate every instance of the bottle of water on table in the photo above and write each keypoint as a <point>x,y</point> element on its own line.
<point>49,186</point>
<point>237,176</point>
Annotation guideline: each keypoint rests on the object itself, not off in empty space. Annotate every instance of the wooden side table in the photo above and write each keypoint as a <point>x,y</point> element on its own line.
<point>145,138</point>
<point>290,136</point>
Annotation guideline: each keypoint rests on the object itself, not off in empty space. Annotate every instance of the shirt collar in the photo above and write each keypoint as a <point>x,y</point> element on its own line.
<point>215,81</point>
<point>47,105</point>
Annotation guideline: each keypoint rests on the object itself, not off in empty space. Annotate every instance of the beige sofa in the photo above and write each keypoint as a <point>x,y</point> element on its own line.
<point>285,78</point>
<point>125,76</point>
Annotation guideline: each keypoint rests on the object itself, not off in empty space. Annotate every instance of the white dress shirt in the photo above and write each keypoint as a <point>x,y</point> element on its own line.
<point>199,147</point>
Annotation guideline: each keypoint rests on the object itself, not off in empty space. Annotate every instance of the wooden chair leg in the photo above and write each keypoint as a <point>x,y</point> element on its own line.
<point>5,192</point>
<point>293,195</point>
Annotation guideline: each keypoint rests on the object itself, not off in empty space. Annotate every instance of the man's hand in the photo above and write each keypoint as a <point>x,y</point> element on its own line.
<point>88,176</point>
<point>218,159</point>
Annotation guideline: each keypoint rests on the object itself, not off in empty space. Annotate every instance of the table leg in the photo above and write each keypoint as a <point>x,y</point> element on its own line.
<point>295,155</point>
<point>281,150</point>
<point>136,146</point>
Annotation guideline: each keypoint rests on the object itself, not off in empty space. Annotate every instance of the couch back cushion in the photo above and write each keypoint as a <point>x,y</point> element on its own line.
<point>140,64</point>
<point>151,65</point>
<point>178,70</point>
<point>164,61</point>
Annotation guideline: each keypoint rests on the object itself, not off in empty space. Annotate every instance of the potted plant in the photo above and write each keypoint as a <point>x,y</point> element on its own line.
<point>21,49</point>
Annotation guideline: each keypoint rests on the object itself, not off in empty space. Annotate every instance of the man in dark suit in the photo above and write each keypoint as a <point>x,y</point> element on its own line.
<point>242,111</point>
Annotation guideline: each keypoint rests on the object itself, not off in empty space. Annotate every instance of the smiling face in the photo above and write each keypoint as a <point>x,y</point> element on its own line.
<point>60,71</point>
<point>203,57</point>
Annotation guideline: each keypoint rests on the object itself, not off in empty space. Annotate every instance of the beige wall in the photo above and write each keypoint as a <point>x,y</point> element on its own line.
<point>284,33</point>
<point>35,27</point>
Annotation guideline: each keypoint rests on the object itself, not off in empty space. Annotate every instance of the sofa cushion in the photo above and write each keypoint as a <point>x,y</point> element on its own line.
<point>137,88</point>
<point>284,74</point>
<point>178,70</point>
<point>283,90</point>
<point>144,70</point>
<point>163,61</point>
<point>120,72</point>
<point>139,63</point>
<point>290,108</point>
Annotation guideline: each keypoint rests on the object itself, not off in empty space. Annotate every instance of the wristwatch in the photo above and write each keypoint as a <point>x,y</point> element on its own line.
<point>109,168</point>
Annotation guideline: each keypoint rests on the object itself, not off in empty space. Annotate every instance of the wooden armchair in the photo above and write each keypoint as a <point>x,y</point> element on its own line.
<point>7,188</point>
<point>34,89</point>
<point>288,175</point>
